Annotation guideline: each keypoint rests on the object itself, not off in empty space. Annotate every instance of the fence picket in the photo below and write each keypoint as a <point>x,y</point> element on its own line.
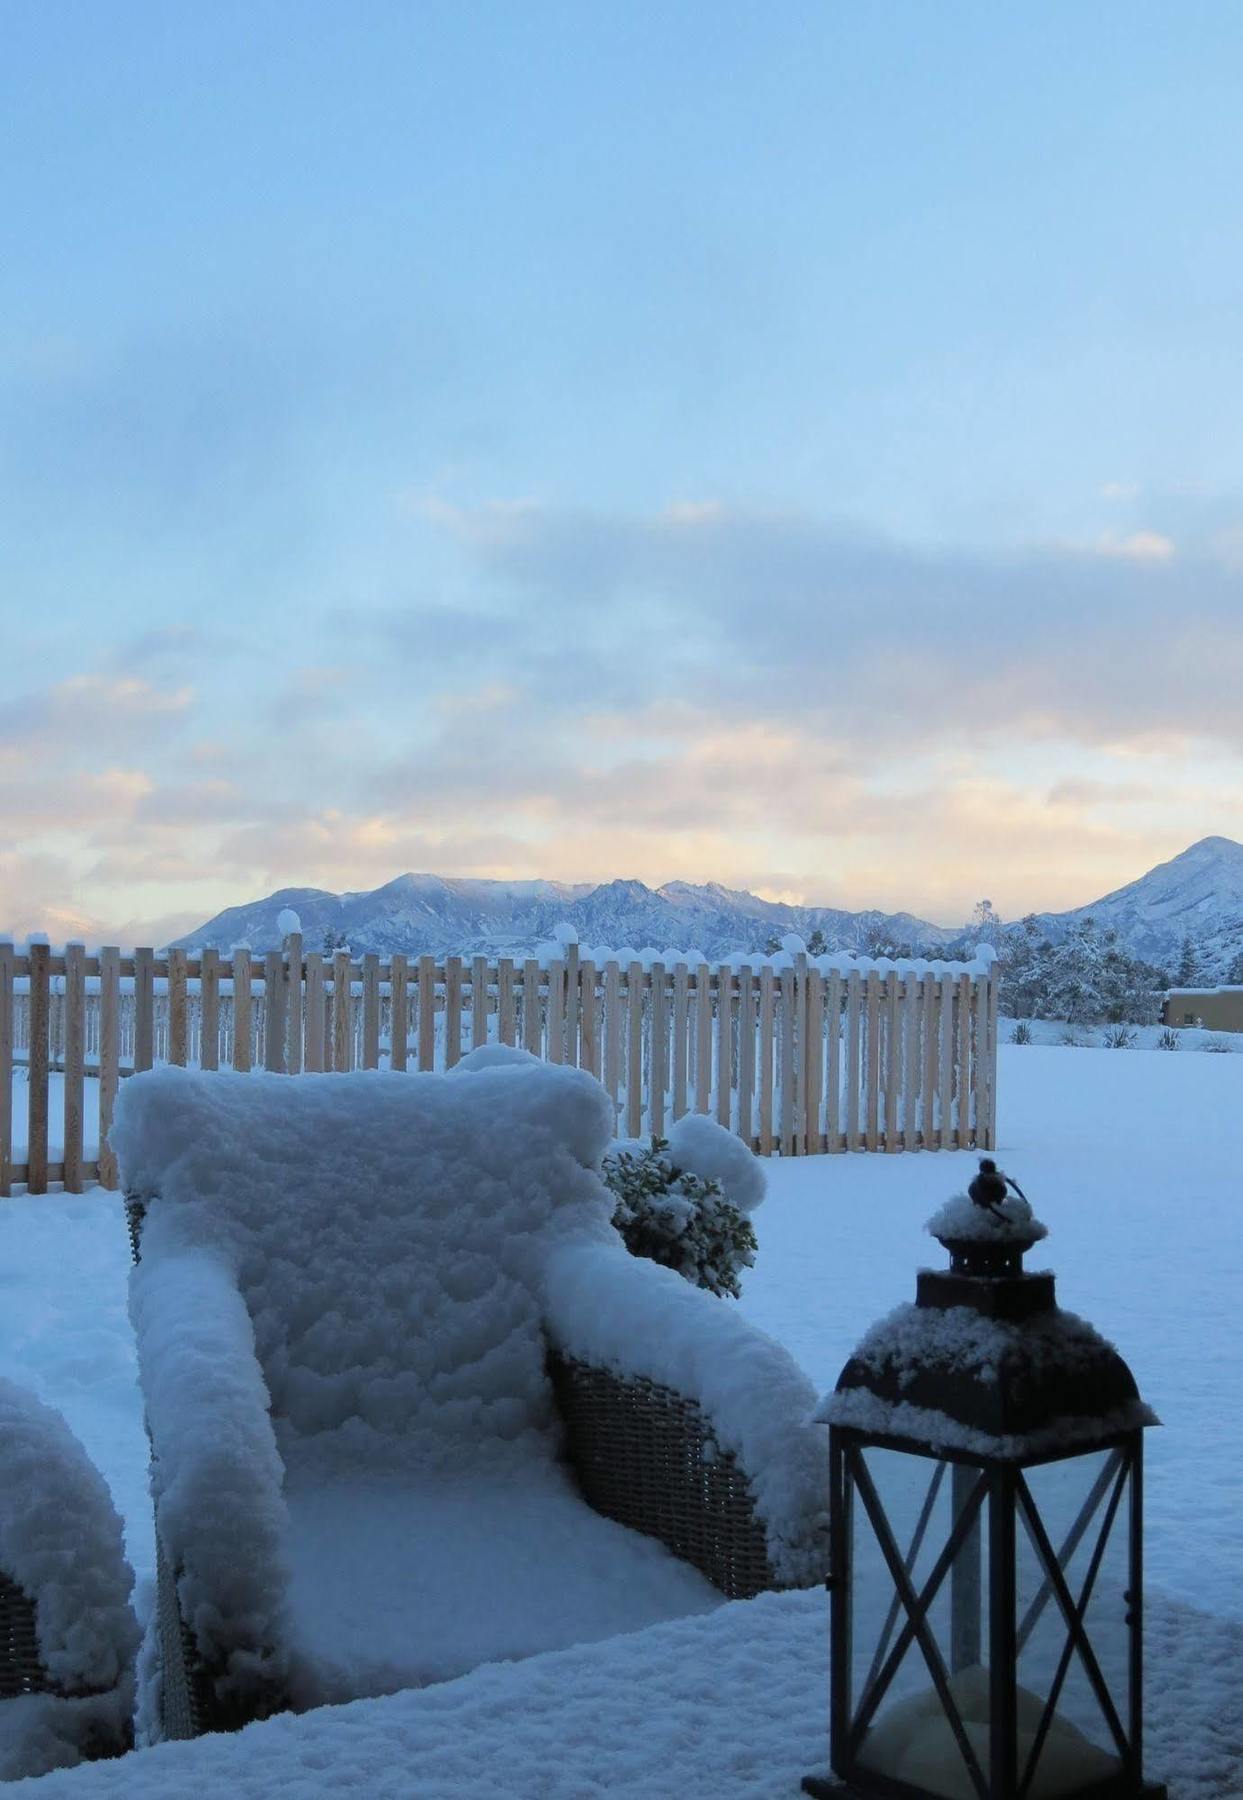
<point>703,1040</point>
<point>75,1065</point>
<point>854,1057</point>
<point>945,1068</point>
<point>7,1013</point>
<point>37,1069</point>
<point>979,1064</point>
<point>681,1037</point>
<point>453,1011</point>
<point>893,1060</point>
<point>724,1044</point>
<point>144,1009</point>
<point>833,1134</point>
<point>478,1001</point>
<point>274,1012</point>
<point>928,1078</point>
<point>589,1057</point>
<point>532,1034</point>
<point>871,1139</point>
<point>990,1066</point>
<point>962,1079</point>
<point>913,997</point>
<point>178,1010</point>
<point>293,1003</point>
<point>209,1009</point>
<point>371,1010</point>
<point>766,1061</point>
<point>634,1050</point>
<point>342,1011</point>
<point>612,1033</point>
<point>241,1008</point>
<point>316,1011</point>
<point>109,1056</point>
<point>656,1076</point>
<point>788,1102</point>
<point>571,979</point>
<point>398,1012</point>
<point>427,1013</point>
<point>813,1055</point>
<point>506,1009</point>
<point>746,1054</point>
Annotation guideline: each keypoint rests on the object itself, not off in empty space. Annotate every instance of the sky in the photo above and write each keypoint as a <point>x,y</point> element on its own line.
<point>795,446</point>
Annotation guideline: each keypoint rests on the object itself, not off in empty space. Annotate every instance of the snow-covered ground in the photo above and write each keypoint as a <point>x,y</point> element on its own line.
<point>1132,1161</point>
<point>1193,1038</point>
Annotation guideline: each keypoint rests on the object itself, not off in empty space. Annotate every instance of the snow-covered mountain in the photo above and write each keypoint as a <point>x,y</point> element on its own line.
<point>1199,893</point>
<point>418,913</point>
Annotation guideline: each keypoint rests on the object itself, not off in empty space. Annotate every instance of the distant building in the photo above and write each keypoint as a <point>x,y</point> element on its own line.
<point>1216,1008</point>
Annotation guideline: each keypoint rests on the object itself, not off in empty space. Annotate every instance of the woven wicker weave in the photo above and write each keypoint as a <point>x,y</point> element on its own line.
<point>645,1456</point>
<point>21,1666</point>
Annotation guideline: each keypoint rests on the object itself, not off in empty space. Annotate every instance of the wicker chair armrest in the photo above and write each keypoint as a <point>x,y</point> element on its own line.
<point>684,1369</point>
<point>217,1476</point>
<point>646,1457</point>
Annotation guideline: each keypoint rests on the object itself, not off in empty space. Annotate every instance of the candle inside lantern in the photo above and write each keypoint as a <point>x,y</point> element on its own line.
<point>914,1742</point>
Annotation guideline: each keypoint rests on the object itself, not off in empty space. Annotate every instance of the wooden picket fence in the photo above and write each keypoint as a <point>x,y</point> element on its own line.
<point>794,1060</point>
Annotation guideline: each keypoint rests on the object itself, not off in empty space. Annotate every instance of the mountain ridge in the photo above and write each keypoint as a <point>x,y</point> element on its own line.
<point>1199,893</point>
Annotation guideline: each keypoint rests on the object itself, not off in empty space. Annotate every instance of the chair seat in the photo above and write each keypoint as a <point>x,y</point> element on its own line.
<point>399,1581</point>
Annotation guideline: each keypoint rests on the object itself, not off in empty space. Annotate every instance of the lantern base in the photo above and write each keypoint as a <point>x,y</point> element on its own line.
<point>827,1787</point>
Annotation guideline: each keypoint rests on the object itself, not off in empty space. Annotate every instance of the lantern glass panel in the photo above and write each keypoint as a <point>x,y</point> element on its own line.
<point>908,1733</point>
<point>1082,1525</point>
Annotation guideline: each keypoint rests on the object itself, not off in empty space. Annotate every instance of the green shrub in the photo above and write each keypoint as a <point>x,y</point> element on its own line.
<point>1022,1033</point>
<point>679,1219</point>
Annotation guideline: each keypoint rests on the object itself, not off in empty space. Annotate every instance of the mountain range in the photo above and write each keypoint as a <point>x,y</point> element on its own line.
<point>1198,894</point>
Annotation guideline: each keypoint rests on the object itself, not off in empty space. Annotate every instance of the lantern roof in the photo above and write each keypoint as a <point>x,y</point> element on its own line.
<point>986,1361</point>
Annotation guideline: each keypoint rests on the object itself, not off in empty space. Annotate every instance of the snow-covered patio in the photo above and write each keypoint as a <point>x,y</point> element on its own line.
<point>1132,1161</point>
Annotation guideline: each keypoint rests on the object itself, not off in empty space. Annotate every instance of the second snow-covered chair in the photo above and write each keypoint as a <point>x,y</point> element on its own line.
<point>68,1636</point>
<point>390,1348</point>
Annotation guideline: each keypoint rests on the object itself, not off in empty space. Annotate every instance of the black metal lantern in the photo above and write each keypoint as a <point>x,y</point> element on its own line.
<point>986,1499</point>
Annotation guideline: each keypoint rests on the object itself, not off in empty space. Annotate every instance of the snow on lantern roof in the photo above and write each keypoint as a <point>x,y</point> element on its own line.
<point>985,1360</point>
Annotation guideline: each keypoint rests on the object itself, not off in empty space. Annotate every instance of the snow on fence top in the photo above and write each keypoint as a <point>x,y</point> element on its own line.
<point>792,954</point>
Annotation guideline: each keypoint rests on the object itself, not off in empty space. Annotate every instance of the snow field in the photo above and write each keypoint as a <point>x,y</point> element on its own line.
<point>732,1705</point>
<point>1131,1162</point>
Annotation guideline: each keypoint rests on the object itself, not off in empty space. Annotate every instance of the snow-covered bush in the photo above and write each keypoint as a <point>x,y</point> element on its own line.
<point>1022,1033</point>
<point>1218,1047</point>
<point>1119,1037</point>
<point>678,1218</point>
<point>1168,1040</point>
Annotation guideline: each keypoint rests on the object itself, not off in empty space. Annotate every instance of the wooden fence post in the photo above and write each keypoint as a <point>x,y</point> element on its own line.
<point>634,1050</point>
<point>724,1045</point>
<point>746,1054</point>
<point>398,1012</point>
<point>6,1067</point>
<point>75,1065</point>
<point>37,1071</point>
<point>833,1135</point>
<point>241,1007</point>
<point>316,1011</point>
<point>274,1012</point>
<point>371,1010</point>
<point>342,1011</point>
<point>178,1023</point>
<point>109,1057</point>
<point>703,1039</point>
<point>291,975</point>
<point>656,1053</point>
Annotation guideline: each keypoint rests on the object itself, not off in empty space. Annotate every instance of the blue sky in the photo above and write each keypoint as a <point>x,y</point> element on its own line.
<point>795,446</point>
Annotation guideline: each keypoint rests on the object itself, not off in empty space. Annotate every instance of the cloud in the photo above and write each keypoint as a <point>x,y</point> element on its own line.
<point>1137,546</point>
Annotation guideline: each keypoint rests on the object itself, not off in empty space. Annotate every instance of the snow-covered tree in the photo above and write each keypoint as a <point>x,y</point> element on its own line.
<point>1188,963</point>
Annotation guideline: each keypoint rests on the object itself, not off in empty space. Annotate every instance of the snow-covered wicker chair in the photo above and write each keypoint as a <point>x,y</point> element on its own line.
<point>68,1635</point>
<point>377,1317</point>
